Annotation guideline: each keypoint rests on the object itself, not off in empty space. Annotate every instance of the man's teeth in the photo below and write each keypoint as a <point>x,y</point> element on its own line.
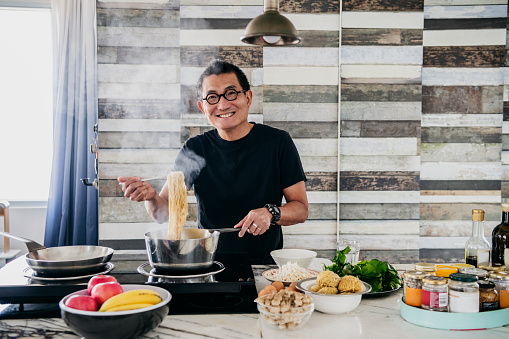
<point>227,115</point>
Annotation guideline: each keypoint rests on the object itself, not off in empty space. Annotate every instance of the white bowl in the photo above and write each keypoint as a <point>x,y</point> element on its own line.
<point>301,257</point>
<point>332,303</point>
<point>294,318</point>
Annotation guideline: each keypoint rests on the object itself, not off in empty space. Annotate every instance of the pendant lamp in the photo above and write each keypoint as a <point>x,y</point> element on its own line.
<point>270,28</point>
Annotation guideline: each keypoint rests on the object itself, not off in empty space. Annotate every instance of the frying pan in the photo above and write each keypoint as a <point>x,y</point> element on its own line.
<point>64,261</point>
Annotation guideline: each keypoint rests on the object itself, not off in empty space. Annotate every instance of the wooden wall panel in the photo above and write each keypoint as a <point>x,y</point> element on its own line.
<point>462,122</point>
<point>420,87</point>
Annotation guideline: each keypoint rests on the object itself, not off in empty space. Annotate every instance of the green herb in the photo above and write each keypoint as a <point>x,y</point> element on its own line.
<point>379,274</point>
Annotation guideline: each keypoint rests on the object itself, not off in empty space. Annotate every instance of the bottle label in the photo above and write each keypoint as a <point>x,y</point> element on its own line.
<point>483,256</point>
<point>489,306</point>
<point>506,257</point>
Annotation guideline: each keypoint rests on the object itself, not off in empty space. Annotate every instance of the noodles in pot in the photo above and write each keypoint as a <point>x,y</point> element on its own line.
<point>177,208</point>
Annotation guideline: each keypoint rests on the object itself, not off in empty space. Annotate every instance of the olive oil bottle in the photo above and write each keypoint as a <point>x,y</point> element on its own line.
<point>477,248</point>
<point>500,240</point>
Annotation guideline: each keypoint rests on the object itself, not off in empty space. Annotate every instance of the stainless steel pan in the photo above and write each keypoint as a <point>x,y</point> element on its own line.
<point>65,260</point>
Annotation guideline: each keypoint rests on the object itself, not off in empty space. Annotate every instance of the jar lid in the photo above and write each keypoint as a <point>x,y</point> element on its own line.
<point>486,284</point>
<point>459,266</point>
<point>475,271</point>
<point>445,270</point>
<point>415,274</point>
<point>425,267</point>
<point>463,277</point>
<point>486,266</point>
<point>499,276</point>
<point>434,280</point>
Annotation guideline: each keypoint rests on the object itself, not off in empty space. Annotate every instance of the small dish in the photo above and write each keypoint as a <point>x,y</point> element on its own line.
<point>269,275</point>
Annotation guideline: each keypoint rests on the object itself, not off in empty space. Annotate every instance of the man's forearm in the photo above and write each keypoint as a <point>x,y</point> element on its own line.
<point>157,208</point>
<point>292,213</point>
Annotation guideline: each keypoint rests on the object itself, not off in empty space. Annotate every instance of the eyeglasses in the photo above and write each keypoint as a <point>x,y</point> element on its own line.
<point>230,95</point>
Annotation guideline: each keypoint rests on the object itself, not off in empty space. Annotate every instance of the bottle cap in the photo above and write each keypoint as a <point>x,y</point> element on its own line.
<point>477,215</point>
<point>505,207</point>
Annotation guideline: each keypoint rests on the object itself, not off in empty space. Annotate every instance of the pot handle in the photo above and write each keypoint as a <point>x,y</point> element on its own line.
<point>31,245</point>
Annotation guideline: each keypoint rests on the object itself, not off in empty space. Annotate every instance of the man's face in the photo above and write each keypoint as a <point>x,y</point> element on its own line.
<point>225,115</point>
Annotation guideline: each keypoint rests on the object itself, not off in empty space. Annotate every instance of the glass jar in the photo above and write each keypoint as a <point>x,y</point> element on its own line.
<point>412,292</point>
<point>478,272</point>
<point>435,295</point>
<point>501,280</point>
<point>463,293</point>
<point>488,296</point>
<point>424,267</point>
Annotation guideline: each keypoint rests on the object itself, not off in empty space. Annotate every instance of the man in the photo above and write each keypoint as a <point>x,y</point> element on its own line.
<point>240,171</point>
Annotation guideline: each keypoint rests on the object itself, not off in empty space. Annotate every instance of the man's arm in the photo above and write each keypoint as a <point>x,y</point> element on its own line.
<point>156,204</point>
<point>296,208</point>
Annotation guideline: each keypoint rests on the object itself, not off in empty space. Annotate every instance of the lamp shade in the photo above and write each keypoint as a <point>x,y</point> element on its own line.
<point>270,29</point>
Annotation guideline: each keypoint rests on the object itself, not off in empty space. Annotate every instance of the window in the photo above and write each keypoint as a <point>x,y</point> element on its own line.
<point>26,113</point>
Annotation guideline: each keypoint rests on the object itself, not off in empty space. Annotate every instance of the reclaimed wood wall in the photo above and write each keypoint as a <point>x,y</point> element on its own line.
<point>418,86</point>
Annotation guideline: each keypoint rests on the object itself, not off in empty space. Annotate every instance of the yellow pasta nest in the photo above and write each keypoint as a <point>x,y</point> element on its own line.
<point>328,279</point>
<point>350,284</point>
<point>328,290</point>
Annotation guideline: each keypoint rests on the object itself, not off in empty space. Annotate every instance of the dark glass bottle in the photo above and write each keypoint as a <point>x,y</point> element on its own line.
<point>500,240</point>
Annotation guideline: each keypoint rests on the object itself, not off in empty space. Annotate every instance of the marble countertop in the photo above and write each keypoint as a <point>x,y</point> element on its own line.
<point>374,318</point>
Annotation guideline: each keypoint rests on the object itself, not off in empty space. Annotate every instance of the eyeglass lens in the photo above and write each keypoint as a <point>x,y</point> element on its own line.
<point>229,95</point>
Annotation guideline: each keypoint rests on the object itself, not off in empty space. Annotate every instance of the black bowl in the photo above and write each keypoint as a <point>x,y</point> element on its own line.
<point>116,325</point>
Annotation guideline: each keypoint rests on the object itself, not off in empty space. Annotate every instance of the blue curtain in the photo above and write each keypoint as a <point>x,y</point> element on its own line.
<point>72,215</point>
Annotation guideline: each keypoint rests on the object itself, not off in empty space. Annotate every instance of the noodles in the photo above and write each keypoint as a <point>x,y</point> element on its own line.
<point>177,204</point>
<point>291,272</point>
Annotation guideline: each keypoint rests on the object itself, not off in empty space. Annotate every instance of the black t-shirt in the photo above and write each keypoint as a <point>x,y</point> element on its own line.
<point>230,178</point>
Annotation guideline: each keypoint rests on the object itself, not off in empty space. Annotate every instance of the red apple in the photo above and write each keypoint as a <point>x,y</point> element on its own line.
<point>99,279</point>
<point>82,302</point>
<point>104,291</point>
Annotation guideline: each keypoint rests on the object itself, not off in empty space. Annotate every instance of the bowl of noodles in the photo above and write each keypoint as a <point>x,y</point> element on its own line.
<point>333,294</point>
<point>289,273</point>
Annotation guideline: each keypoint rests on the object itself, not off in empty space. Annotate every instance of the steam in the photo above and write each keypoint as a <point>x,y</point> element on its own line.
<point>191,164</point>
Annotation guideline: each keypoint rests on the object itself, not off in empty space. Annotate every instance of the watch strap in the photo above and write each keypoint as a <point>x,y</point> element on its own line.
<point>276,213</point>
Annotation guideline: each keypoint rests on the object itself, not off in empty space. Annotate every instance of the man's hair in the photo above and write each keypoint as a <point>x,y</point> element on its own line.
<point>218,67</point>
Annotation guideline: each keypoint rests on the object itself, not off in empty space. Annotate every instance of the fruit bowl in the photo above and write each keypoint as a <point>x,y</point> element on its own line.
<point>121,324</point>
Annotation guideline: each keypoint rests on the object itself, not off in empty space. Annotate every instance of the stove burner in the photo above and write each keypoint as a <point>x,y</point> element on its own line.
<point>216,268</point>
<point>215,301</point>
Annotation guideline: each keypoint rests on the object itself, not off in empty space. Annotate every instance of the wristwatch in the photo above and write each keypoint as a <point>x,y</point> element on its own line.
<point>276,213</point>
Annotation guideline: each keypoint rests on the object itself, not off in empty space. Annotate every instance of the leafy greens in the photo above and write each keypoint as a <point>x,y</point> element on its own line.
<point>379,274</point>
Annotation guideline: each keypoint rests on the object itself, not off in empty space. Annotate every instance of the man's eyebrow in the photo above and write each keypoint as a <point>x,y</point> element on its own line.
<point>227,88</point>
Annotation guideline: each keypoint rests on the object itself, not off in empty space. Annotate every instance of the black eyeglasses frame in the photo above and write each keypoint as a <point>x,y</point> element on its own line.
<point>224,96</point>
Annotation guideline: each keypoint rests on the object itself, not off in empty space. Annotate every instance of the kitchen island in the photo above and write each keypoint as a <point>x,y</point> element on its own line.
<point>374,318</point>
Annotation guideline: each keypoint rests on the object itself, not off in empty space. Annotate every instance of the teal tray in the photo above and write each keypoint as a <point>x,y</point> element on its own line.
<point>454,321</point>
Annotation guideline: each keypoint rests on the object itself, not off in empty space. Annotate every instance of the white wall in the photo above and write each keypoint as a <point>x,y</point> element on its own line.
<point>25,221</point>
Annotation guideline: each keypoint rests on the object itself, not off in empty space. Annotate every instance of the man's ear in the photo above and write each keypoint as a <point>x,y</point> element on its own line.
<point>249,96</point>
<point>200,106</point>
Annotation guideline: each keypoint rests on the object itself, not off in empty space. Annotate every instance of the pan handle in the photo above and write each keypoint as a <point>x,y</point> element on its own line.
<point>31,245</point>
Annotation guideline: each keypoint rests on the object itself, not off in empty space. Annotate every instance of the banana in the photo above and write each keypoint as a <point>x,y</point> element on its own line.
<point>128,307</point>
<point>140,296</point>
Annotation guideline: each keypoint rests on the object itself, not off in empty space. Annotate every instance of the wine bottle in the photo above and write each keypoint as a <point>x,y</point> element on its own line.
<point>500,240</point>
<point>477,248</point>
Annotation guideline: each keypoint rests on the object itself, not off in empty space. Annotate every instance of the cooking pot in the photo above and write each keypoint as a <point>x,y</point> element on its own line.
<point>65,261</point>
<point>195,251</point>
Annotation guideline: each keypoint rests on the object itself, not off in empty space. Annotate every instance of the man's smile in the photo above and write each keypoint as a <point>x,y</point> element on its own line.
<point>226,115</point>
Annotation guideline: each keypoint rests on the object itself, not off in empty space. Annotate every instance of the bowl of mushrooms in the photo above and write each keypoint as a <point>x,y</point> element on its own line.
<point>285,310</point>
<point>334,294</point>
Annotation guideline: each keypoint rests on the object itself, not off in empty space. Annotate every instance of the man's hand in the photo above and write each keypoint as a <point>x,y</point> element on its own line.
<point>137,190</point>
<point>255,222</point>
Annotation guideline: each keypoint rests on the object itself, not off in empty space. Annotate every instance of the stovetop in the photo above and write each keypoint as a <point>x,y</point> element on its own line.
<point>230,291</point>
